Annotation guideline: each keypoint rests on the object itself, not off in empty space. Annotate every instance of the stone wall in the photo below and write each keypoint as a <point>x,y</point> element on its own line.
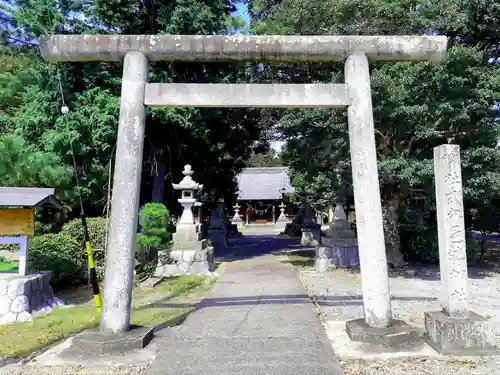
<point>22,297</point>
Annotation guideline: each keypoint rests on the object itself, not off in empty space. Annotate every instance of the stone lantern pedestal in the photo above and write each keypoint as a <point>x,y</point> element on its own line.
<point>311,231</point>
<point>190,253</point>
<point>339,246</point>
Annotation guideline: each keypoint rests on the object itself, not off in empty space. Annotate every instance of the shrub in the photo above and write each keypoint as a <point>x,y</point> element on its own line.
<point>155,235</point>
<point>97,231</point>
<point>58,253</point>
<point>97,234</point>
<point>419,243</point>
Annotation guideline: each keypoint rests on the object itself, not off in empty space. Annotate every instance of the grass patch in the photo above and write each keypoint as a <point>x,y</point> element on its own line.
<point>8,265</point>
<point>301,258</point>
<point>20,340</point>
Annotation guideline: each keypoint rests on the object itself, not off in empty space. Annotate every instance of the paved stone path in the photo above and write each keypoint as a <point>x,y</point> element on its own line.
<point>257,320</point>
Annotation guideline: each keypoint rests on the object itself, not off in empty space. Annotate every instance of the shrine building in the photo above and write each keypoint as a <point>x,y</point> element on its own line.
<point>261,191</point>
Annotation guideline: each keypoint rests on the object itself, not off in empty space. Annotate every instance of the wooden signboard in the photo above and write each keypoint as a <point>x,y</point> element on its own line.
<point>17,221</point>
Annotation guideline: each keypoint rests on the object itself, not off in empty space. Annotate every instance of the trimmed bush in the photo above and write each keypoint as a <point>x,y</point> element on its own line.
<point>58,253</point>
<point>419,243</point>
<point>97,231</point>
<point>97,234</point>
<point>154,236</point>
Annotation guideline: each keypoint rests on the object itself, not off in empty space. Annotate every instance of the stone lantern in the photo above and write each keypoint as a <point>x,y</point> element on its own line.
<point>190,253</point>
<point>188,188</point>
<point>237,217</point>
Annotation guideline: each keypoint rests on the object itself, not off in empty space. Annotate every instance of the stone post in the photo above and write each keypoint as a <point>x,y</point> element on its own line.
<point>451,230</point>
<point>455,329</point>
<point>120,255</point>
<point>374,274</point>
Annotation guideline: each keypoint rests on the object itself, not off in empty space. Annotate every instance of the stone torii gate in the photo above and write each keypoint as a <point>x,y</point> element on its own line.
<point>138,50</point>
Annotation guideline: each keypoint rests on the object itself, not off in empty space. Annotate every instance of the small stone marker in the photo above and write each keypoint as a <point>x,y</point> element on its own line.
<point>455,329</point>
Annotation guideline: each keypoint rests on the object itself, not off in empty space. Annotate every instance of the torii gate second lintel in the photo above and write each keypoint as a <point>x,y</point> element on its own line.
<point>138,50</point>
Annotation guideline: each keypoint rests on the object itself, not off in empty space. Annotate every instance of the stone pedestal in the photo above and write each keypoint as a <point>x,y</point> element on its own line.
<point>310,235</point>
<point>190,255</point>
<point>339,246</point>
<point>23,297</point>
<point>469,336</point>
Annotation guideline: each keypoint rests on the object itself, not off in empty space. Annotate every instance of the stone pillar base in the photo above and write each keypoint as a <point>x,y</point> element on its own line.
<point>188,262</point>
<point>23,297</point>
<point>398,333</point>
<point>310,236</point>
<point>95,342</point>
<point>469,336</point>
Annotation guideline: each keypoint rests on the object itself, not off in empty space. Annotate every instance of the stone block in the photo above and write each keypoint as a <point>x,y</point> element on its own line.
<point>102,343</point>
<point>310,236</point>
<point>4,287</point>
<point>8,318</point>
<point>24,317</point>
<point>20,304</point>
<point>470,336</point>
<point>398,333</point>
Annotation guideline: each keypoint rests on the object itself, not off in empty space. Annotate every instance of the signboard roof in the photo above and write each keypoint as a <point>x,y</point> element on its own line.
<point>27,197</point>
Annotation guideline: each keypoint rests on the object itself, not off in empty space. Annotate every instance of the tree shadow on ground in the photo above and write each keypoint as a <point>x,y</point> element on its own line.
<point>340,301</point>
<point>251,246</point>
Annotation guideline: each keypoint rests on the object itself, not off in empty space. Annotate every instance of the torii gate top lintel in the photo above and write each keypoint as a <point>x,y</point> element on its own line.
<point>242,47</point>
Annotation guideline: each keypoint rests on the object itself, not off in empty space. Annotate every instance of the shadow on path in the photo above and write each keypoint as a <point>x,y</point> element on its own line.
<point>250,246</point>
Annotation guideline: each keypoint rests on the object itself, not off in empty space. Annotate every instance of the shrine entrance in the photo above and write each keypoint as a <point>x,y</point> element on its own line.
<point>138,50</point>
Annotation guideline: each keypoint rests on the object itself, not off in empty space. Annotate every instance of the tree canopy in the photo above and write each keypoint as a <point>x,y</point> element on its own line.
<point>216,143</point>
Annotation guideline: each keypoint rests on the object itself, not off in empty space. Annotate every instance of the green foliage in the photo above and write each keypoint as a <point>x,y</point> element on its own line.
<point>417,106</point>
<point>154,236</point>
<point>97,233</point>
<point>96,227</point>
<point>419,243</point>
<point>215,142</point>
<point>265,159</point>
<point>59,253</point>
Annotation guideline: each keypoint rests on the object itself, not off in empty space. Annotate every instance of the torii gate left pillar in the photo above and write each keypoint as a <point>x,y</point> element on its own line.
<point>136,50</point>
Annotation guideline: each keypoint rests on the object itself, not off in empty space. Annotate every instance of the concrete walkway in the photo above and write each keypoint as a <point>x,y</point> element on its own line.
<point>258,320</point>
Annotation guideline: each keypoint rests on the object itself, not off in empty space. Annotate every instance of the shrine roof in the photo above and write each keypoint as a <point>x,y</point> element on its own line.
<point>27,197</point>
<point>263,183</point>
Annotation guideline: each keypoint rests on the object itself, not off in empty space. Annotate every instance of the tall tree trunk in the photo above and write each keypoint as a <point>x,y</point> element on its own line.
<point>159,184</point>
<point>393,242</point>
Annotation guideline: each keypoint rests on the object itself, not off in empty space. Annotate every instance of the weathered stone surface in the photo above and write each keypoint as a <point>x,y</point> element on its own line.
<point>24,316</point>
<point>31,293</point>
<point>4,286</point>
<point>460,336</point>
<point>20,304</point>
<point>370,229</point>
<point>451,230</point>
<point>241,47</point>
<point>188,262</point>
<point>245,95</point>
<point>396,334</point>
<point>310,236</point>
<point>5,303</point>
<point>8,318</point>
<point>118,280</point>
<point>102,343</point>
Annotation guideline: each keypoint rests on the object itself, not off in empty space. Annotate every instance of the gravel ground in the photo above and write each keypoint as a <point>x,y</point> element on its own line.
<point>413,291</point>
